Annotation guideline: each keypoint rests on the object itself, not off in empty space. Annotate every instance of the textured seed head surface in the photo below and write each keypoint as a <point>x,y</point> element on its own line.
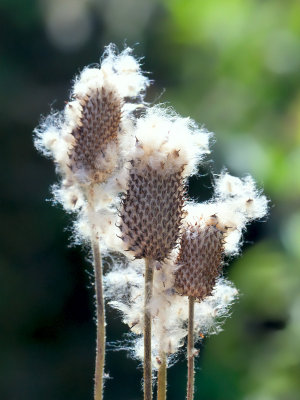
<point>152,211</point>
<point>97,128</point>
<point>199,260</point>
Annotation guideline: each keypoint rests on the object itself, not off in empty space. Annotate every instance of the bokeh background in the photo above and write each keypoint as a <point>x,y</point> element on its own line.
<point>233,66</point>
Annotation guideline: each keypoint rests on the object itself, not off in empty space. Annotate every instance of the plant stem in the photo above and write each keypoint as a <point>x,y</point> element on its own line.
<point>100,310</point>
<point>100,349</point>
<point>147,331</point>
<point>162,378</point>
<point>190,351</point>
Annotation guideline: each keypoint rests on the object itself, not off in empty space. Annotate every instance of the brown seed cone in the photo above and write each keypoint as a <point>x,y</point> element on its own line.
<point>98,126</point>
<point>152,211</point>
<point>199,261</point>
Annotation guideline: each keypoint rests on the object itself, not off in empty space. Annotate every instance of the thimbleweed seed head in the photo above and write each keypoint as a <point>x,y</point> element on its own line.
<point>96,135</point>
<point>102,148</point>
<point>152,211</point>
<point>166,151</point>
<point>199,260</point>
<point>96,115</point>
<point>84,139</point>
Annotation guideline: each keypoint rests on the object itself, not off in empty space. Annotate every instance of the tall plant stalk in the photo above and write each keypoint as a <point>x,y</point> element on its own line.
<point>100,309</point>
<point>190,351</point>
<point>100,312</point>
<point>162,378</point>
<point>147,331</point>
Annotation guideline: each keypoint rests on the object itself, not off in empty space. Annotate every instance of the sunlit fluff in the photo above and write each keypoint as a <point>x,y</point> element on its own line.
<point>164,138</point>
<point>118,74</point>
<point>126,177</point>
<point>235,203</point>
<point>124,290</point>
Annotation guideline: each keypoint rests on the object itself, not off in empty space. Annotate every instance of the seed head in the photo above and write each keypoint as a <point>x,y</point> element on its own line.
<point>199,260</point>
<point>152,211</point>
<point>95,134</point>
<point>166,151</point>
<point>85,139</point>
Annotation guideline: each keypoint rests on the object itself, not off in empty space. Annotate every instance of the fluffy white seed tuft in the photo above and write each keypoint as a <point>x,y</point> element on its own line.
<point>124,290</point>
<point>162,137</point>
<point>84,139</point>
<point>235,203</point>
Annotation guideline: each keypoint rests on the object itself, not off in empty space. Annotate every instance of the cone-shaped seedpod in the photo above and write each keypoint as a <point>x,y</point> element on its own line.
<point>152,211</point>
<point>199,260</point>
<point>97,130</point>
<point>151,215</point>
<point>166,152</point>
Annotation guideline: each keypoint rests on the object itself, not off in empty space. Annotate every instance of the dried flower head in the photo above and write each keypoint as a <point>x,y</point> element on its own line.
<point>101,149</point>
<point>152,211</point>
<point>166,150</point>
<point>84,139</point>
<point>199,260</point>
<point>218,231</point>
<point>84,142</point>
<point>96,134</point>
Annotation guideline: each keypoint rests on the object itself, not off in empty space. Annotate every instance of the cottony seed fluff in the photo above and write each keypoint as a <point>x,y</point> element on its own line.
<point>152,211</point>
<point>98,127</point>
<point>199,261</point>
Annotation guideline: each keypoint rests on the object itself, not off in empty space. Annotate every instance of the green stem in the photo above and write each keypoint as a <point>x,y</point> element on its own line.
<point>190,351</point>
<point>162,378</point>
<point>147,331</point>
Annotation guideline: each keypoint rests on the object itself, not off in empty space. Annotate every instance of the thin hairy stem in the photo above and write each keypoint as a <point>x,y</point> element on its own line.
<point>100,310</point>
<point>147,331</point>
<point>162,378</point>
<point>100,349</point>
<point>190,351</point>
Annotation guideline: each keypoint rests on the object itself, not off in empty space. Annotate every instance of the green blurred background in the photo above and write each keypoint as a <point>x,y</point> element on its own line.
<point>232,65</point>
